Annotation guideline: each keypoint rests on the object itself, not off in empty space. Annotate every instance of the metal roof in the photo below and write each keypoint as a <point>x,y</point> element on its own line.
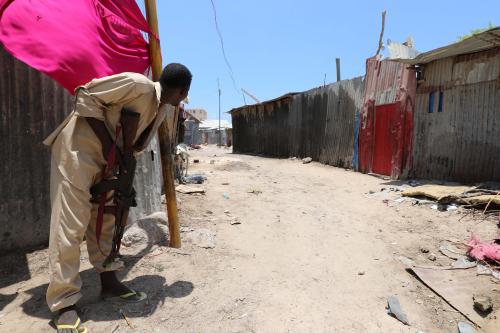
<point>480,42</point>
<point>285,96</point>
<point>214,124</point>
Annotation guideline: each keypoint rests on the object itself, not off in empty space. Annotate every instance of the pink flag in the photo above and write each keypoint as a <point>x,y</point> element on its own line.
<point>75,41</point>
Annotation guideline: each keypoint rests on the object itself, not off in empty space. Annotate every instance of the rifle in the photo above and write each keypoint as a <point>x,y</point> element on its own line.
<point>118,176</point>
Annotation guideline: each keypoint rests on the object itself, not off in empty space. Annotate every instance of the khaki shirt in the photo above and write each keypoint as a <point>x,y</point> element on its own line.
<point>105,97</point>
<point>76,150</point>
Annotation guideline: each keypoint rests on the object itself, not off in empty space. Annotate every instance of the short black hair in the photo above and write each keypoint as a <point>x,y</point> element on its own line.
<point>176,76</point>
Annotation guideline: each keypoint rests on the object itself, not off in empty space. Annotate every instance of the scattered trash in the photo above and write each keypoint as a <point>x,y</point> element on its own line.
<point>424,250</point>
<point>186,229</point>
<point>395,310</point>
<point>452,207</point>
<point>400,200</point>
<point>463,263</point>
<point>432,257</point>
<point>235,221</point>
<point>225,183</point>
<point>482,251</point>
<point>193,179</point>
<point>482,303</point>
<point>186,189</point>
<point>361,273</point>
<point>485,270</point>
<point>456,286</point>
<point>451,251</point>
<point>196,161</point>
<point>406,261</point>
<point>464,327</point>
<point>226,196</point>
<point>435,207</point>
<point>203,238</point>
<point>226,212</point>
<point>307,160</point>
<point>254,191</point>
<point>413,183</point>
<point>464,195</point>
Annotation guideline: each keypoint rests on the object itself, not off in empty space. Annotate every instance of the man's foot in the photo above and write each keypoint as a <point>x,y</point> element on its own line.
<point>68,321</point>
<point>114,289</point>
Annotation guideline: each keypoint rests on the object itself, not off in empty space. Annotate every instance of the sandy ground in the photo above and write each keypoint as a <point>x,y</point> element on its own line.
<point>315,251</point>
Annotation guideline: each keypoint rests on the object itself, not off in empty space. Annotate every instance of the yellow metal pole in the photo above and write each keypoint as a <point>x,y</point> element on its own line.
<point>163,132</point>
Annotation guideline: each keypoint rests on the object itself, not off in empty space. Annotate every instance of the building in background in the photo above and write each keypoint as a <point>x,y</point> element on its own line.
<point>191,123</point>
<point>209,132</point>
<point>200,114</point>
<point>457,111</point>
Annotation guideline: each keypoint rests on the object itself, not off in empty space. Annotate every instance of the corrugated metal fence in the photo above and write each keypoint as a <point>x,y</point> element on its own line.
<point>323,122</point>
<point>31,106</point>
<point>263,129</point>
<point>319,123</point>
<point>457,119</point>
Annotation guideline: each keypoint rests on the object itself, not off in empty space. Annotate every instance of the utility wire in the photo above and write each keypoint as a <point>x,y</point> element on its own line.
<point>231,73</point>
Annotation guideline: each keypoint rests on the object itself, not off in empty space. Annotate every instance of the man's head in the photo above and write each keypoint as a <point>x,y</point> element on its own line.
<point>175,81</point>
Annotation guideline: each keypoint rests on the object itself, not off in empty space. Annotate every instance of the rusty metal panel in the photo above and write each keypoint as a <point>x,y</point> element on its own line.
<point>477,43</point>
<point>262,129</point>
<point>345,100</point>
<point>461,142</point>
<point>388,82</point>
<point>464,69</point>
<point>319,123</point>
<point>31,106</point>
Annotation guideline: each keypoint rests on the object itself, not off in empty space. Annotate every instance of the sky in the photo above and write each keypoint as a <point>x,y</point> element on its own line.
<point>278,46</point>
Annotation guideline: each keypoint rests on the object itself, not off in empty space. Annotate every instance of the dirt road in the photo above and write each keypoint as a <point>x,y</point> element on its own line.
<point>298,248</point>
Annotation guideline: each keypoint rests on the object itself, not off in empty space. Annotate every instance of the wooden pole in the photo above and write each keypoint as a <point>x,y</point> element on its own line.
<point>337,63</point>
<point>163,132</point>
<point>380,44</point>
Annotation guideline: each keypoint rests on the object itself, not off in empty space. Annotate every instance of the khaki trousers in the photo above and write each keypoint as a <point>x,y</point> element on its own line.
<point>76,165</point>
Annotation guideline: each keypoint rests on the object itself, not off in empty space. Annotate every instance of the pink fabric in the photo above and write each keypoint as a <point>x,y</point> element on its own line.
<point>482,251</point>
<point>75,41</point>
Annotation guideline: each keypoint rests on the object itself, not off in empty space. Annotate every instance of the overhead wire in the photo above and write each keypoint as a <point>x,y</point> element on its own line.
<point>230,69</point>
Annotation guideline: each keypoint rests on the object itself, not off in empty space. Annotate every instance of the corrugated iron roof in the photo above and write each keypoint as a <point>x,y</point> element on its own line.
<point>480,42</point>
<point>285,96</point>
<point>188,111</point>
<point>214,124</point>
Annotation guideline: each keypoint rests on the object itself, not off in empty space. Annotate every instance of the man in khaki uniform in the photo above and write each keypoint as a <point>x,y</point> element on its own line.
<point>78,159</point>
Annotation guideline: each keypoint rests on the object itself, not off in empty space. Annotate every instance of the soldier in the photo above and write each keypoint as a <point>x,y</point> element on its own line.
<point>81,148</point>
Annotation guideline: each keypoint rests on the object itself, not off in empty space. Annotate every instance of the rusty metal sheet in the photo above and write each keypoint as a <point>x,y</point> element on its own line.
<point>480,42</point>
<point>388,82</point>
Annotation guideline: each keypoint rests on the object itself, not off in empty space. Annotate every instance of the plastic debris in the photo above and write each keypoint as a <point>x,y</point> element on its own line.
<point>464,327</point>
<point>307,160</point>
<point>189,189</point>
<point>194,179</point>
<point>481,251</point>
<point>451,251</point>
<point>395,310</point>
<point>485,270</point>
<point>463,263</point>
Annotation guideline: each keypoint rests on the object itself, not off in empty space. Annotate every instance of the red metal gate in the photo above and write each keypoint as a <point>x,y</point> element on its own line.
<point>386,117</point>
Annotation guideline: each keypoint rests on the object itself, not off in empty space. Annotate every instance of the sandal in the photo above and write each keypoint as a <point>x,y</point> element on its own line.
<point>75,328</point>
<point>132,297</point>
